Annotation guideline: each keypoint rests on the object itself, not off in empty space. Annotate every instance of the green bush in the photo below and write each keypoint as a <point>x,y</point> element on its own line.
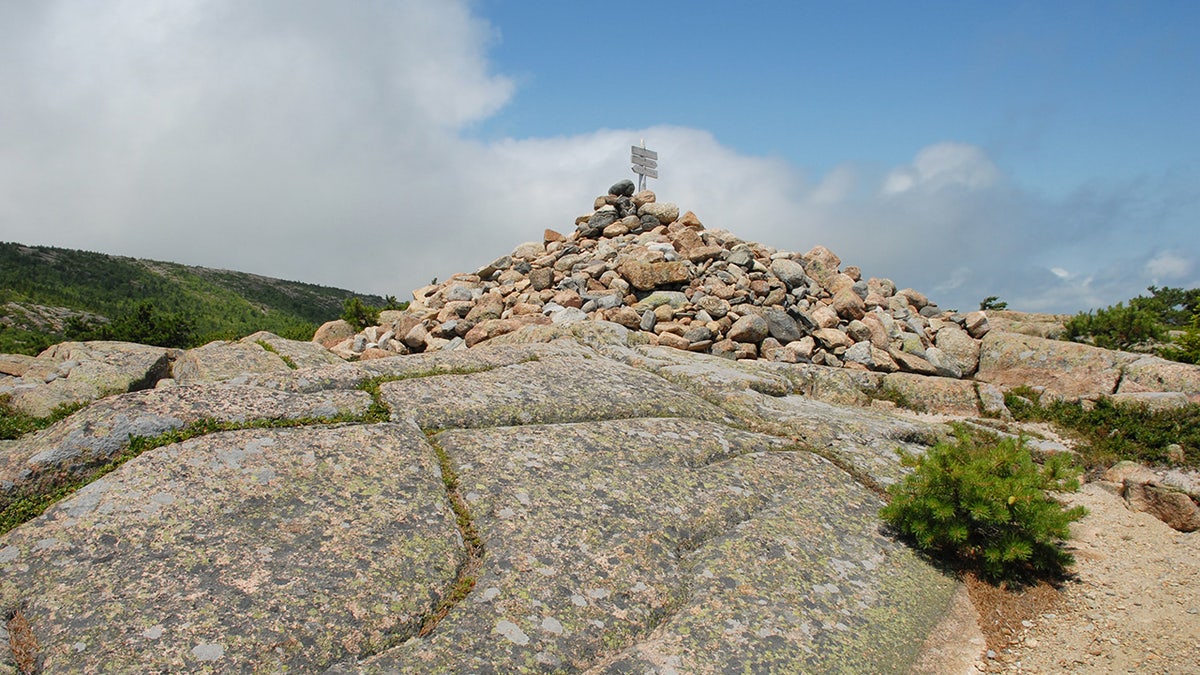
<point>1108,432</point>
<point>1185,348</point>
<point>984,506</point>
<point>1117,327</point>
<point>359,314</point>
<point>1173,307</point>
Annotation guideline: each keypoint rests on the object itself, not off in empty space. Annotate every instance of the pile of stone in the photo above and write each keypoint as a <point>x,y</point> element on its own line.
<point>640,263</point>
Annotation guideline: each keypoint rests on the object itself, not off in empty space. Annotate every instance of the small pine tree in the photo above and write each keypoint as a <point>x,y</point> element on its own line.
<point>992,302</point>
<point>359,314</point>
<point>986,507</point>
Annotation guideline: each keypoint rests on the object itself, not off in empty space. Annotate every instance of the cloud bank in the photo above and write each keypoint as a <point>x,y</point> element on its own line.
<point>335,144</point>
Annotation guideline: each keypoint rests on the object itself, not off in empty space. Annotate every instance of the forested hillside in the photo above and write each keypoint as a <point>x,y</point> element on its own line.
<point>51,294</point>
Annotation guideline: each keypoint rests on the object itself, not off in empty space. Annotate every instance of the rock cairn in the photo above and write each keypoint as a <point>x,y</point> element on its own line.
<point>639,263</point>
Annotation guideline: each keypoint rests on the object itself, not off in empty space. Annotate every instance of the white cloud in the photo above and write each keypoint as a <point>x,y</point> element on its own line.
<point>1166,266</point>
<point>942,165</point>
<point>836,187</point>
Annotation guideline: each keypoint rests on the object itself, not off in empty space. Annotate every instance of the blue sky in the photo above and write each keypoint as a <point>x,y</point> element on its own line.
<point>1047,153</point>
<point>1060,91</point>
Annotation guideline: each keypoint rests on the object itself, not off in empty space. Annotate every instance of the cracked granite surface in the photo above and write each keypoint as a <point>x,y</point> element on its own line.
<point>638,510</point>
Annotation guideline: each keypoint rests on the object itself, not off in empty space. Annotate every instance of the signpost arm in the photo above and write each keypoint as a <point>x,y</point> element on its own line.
<point>645,164</point>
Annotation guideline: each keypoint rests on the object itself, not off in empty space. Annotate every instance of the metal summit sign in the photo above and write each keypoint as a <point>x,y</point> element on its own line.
<point>645,164</point>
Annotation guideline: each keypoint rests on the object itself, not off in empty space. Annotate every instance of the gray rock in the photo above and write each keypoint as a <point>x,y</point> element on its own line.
<point>714,306</point>
<point>664,212</point>
<point>782,326</point>
<point>269,527</point>
<point>78,372</point>
<point>461,293</point>
<point>582,477</point>
<point>942,363</point>
<point>674,299</point>
<point>568,315</point>
<point>959,347</point>
<point>698,333</point>
<point>991,401</point>
<point>490,270</point>
<point>548,392</point>
<point>751,328</point>
<point>790,272</point>
<point>627,209</point>
<point>74,447</point>
<point>858,331</point>
<point>649,320</point>
<point>1150,373</point>
<point>300,354</point>
<point>231,361</point>
<point>860,352</point>
<point>573,557</point>
<point>806,323</point>
<point>622,188</point>
<point>598,221</point>
<point>743,258</point>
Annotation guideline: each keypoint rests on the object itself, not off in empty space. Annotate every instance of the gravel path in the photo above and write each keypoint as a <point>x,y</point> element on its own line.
<point>1134,606</point>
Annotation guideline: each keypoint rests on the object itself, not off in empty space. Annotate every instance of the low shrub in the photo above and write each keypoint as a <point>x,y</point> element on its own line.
<point>983,505</point>
<point>1117,327</point>
<point>359,314</point>
<point>1108,432</point>
<point>1186,347</point>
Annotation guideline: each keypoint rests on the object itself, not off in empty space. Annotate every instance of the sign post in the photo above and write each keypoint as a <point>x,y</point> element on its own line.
<point>645,164</point>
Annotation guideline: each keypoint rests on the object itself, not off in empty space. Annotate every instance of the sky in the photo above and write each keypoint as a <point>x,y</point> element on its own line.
<point>1044,153</point>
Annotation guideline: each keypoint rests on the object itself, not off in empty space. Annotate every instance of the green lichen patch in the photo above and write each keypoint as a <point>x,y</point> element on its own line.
<point>600,536</point>
<point>245,551</point>
<point>542,392</point>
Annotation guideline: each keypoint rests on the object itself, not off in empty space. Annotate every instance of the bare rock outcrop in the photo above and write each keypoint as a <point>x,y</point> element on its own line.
<point>77,372</point>
<point>591,503</point>
<point>1173,499</point>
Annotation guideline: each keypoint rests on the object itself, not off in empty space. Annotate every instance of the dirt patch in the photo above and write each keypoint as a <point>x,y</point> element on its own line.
<point>1004,612</point>
<point>1133,604</point>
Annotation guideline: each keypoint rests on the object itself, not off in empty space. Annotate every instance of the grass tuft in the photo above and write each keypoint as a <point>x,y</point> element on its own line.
<point>15,424</point>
